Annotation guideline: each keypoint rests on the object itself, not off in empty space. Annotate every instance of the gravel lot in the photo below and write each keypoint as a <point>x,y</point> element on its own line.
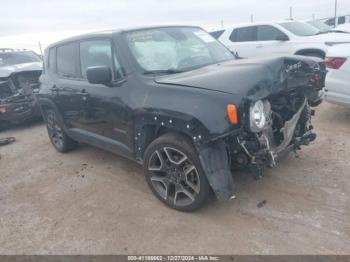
<point>93,202</point>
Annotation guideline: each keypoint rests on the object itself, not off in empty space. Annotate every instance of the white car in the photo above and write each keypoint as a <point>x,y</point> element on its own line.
<point>337,88</point>
<point>343,28</point>
<point>283,38</point>
<point>342,19</point>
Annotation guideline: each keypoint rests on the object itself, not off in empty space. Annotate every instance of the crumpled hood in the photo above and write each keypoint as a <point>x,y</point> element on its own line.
<point>6,71</point>
<point>249,78</point>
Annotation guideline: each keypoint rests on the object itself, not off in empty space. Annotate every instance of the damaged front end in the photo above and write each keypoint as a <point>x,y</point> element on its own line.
<point>275,121</point>
<point>17,100</point>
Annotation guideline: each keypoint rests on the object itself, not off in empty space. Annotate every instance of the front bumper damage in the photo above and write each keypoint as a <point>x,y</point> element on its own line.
<point>219,158</point>
<point>18,102</point>
<point>19,108</point>
<point>269,153</point>
<point>241,150</point>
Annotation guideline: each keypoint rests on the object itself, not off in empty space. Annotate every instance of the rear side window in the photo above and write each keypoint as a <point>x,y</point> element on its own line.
<point>66,61</point>
<point>217,34</point>
<point>268,33</point>
<point>341,20</point>
<point>244,34</point>
<point>98,53</point>
<point>330,22</point>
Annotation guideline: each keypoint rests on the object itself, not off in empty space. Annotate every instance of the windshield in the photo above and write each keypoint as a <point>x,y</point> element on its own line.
<point>14,58</point>
<point>175,49</point>
<point>321,26</point>
<point>300,28</point>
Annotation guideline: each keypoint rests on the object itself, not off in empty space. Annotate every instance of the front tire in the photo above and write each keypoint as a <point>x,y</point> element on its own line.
<point>59,139</point>
<point>174,173</point>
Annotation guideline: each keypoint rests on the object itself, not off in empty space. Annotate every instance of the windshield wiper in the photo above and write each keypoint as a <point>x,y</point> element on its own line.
<point>323,32</point>
<point>165,71</point>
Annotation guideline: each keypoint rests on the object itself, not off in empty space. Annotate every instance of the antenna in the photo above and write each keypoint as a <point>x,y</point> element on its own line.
<point>291,13</point>
<point>41,51</point>
<point>252,18</point>
<point>335,13</point>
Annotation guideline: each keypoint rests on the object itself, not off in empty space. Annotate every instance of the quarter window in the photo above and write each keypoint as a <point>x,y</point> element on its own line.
<point>244,34</point>
<point>66,61</point>
<point>217,34</point>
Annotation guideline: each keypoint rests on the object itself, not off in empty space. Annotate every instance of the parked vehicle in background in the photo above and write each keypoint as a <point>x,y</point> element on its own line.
<point>324,28</point>
<point>321,26</point>
<point>338,78</point>
<point>343,28</point>
<point>282,38</point>
<point>19,78</point>
<point>343,19</point>
<point>178,101</point>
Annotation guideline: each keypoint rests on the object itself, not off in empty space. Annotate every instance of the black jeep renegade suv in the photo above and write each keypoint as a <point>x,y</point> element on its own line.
<point>177,101</point>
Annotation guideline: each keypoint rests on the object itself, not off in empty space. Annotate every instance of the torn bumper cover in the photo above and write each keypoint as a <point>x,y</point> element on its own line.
<point>215,164</point>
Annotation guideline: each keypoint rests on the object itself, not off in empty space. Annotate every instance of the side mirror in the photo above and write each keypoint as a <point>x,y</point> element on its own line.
<point>282,38</point>
<point>99,75</point>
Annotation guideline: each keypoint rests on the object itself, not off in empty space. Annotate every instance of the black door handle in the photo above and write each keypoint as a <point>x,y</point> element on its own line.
<point>83,93</point>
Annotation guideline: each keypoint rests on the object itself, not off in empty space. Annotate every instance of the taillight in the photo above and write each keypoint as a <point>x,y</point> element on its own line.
<point>334,62</point>
<point>2,109</point>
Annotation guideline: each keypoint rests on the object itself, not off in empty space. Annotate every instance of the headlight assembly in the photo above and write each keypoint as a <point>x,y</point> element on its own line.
<point>257,116</point>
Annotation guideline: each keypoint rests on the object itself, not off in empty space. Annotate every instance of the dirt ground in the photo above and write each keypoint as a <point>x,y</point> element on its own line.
<point>93,202</point>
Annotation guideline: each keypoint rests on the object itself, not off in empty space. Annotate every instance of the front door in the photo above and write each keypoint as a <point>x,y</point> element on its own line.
<point>105,110</point>
<point>271,41</point>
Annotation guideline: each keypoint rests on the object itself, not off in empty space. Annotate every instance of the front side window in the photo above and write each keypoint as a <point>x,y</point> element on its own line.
<point>244,34</point>
<point>98,53</point>
<point>300,28</point>
<point>66,61</point>
<point>20,57</point>
<point>175,49</point>
<point>268,33</point>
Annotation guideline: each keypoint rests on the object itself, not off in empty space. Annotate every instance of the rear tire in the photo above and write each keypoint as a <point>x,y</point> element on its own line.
<point>59,139</point>
<point>174,173</point>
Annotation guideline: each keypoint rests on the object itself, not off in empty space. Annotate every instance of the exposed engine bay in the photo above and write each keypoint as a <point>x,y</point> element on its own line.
<point>278,125</point>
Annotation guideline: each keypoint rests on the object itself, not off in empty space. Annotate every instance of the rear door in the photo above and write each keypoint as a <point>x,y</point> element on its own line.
<point>66,90</point>
<point>244,41</point>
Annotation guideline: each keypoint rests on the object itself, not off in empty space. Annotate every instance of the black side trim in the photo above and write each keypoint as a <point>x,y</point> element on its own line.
<point>100,141</point>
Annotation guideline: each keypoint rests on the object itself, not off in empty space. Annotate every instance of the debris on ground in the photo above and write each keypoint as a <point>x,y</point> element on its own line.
<point>7,140</point>
<point>261,204</point>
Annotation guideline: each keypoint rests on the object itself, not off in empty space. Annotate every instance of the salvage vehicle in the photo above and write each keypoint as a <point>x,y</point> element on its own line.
<point>19,78</point>
<point>177,101</point>
<point>280,38</point>
<point>338,78</point>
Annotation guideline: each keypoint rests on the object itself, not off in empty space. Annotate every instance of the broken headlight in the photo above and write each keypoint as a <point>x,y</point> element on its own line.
<point>258,115</point>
